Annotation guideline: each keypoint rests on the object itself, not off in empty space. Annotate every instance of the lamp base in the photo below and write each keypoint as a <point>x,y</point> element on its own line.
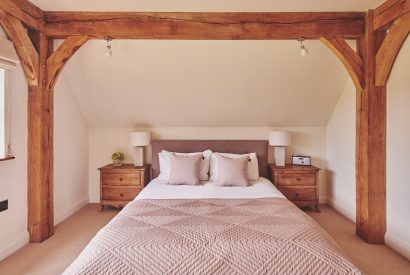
<point>279,155</point>
<point>139,156</point>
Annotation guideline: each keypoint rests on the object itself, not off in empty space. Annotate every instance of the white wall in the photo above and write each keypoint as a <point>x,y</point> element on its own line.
<point>104,141</point>
<point>70,162</point>
<point>341,154</point>
<point>70,154</point>
<point>13,173</point>
<point>340,149</point>
<point>398,152</point>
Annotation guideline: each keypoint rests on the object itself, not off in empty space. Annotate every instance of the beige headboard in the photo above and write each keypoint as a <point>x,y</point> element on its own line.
<point>260,147</point>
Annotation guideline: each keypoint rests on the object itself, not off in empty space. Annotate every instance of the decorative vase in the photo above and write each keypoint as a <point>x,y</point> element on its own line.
<point>117,162</point>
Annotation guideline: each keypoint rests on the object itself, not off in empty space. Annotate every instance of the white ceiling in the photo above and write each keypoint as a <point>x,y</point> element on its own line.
<point>208,5</point>
<point>205,83</point>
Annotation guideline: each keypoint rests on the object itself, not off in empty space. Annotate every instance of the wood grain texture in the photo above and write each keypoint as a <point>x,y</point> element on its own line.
<point>370,145</point>
<point>40,149</point>
<point>205,26</point>
<point>389,11</point>
<point>119,185</point>
<point>24,47</point>
<point>350,59</point>
<point>23,10</point>
<point>298,183</point>
<point>390,48</point>
<point>57,61</point>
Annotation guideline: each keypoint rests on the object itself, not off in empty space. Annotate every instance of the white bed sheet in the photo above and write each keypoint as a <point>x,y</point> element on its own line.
<point>159,189</point>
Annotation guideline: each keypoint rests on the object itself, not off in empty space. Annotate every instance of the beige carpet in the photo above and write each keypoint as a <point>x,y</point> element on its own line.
<point>56,253</point>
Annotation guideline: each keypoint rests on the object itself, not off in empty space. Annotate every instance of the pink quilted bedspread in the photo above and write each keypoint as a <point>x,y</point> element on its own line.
<point>212,236</point>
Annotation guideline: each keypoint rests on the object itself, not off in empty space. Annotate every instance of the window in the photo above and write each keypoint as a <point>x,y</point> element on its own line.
<point>2,113</point>
<point>8,61</point>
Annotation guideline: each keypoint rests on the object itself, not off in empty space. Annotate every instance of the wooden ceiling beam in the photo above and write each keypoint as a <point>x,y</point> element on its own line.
<point>390,48</point>
<point>24,47</point>
<point>389,11</point>
<point>28,13</point>
<point>205,26</point>
<point>58,59</point>
<point>350,59</point>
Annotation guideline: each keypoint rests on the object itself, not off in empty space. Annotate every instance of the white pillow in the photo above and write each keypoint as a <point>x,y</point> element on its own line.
<point>165,163</point>
<point>253,168</point>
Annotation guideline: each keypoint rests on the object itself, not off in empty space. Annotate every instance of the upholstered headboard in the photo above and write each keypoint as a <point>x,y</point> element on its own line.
<point>260,147</point>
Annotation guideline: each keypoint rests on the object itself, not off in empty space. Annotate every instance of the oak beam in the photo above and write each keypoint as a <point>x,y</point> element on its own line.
<point>371,144</point>
<point>40,149</point>
<point>350,59</point>
<point>389,11</point>
<point>390,48</point>
<point>23,10</point>
<point>57,60</point>
<point>205,26</point>
<point>23,45</point>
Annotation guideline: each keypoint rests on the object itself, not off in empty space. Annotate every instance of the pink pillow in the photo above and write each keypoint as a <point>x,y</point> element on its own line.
<point>233,171</point>
<point>185,169</point>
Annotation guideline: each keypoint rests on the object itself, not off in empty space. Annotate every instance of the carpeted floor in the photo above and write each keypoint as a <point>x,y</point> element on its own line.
<point>56,253</point>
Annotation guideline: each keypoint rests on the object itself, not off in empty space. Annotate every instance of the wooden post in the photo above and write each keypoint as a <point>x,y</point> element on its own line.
<point>371,144</point>
<point>40,148</point>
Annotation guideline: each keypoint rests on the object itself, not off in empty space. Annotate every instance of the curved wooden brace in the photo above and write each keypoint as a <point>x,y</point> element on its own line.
<point>389,11</point>
<point>350,59</point>
<point>57,61</point>
<point>390,48</point>
<point>23,45</point>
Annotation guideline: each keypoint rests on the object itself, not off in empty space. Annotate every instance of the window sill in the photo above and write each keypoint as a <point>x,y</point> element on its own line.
<point>7,158</point>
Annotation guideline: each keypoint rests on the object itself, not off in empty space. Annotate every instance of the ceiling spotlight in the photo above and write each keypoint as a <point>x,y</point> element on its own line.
<point>303,50</point>
<point>108,51</point>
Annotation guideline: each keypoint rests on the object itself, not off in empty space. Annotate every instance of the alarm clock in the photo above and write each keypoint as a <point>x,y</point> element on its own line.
<point>301,160</point>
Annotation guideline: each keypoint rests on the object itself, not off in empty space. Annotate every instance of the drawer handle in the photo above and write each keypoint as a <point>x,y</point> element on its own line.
<point>120,179</point>
<point>298,179</point>
<point>121,195</point>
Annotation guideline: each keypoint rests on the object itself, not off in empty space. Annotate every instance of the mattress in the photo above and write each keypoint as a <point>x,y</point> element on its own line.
<point>212,230</point>
<point>159,189</point>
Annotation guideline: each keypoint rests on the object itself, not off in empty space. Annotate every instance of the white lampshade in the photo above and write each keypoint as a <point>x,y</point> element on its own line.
<point>140,138</point>
<point>279,138</point>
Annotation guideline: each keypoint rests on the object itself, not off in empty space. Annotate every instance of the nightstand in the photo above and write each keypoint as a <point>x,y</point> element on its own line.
<point>120,184</point>
<point>298,183</point>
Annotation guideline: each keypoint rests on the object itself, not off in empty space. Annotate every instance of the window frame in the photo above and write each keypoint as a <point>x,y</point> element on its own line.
<point>3,114</point>
<point>6,121</point>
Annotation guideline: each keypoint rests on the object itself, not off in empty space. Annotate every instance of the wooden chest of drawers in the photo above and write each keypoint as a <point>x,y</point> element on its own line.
<point>120,185</point>
<point>299,184</point>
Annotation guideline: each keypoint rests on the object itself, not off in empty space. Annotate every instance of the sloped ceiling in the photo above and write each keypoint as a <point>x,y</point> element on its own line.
<point>205,83</point>
<point>208,5</point>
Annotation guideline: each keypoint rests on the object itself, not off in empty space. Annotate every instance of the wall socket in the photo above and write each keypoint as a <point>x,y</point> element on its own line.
<point>4,205</point>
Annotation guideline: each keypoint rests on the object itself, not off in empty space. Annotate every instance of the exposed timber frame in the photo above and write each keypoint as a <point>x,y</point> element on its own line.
<point>33,30</point>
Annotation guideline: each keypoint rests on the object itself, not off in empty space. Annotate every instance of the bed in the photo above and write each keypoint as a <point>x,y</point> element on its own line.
<point>209,229</point>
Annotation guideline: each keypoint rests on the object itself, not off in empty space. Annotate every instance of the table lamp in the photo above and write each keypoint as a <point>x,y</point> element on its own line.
<point>279,139</point>
<point>139,140</point>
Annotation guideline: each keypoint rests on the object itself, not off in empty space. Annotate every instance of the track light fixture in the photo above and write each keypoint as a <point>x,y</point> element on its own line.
<point>303,50</point>
<point>108,51</point>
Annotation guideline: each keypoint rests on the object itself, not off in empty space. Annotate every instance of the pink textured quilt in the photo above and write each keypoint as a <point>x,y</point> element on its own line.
<point>212,236</point>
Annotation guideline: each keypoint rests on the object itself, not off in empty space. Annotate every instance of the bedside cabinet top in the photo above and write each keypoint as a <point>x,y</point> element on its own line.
<point>124,167</point>
<point>291,167</point>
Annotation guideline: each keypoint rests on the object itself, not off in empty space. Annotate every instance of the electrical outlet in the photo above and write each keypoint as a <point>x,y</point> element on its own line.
<point>4,205</point>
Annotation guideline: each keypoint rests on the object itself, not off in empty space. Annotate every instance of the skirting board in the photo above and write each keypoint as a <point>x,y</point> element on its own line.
<point>397,245</point>
<point>94,199</point>
<point>68,212</point>
<point>11,247</point>
<point>342,209</point>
